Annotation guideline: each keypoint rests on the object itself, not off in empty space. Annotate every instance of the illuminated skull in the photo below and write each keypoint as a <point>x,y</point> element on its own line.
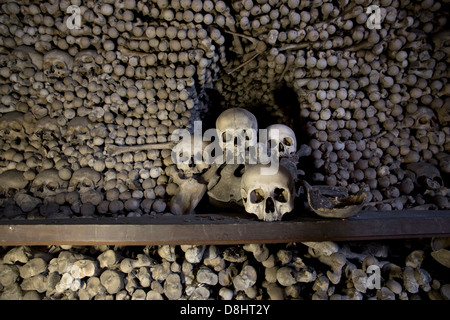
<point>269,196</point>
<point>237,130</point>
<point>284,137</point>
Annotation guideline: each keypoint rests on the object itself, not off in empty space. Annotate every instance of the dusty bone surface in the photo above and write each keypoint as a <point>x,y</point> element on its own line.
<point>406,269</point>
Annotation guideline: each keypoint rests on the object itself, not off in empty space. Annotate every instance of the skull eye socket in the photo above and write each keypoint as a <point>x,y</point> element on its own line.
<point>423,120</point>
<point>280,195</point>
<point>288,141</point>
<point>59,65</point>
<point>51,187</point>
<point>256,196</point>
<point>86,184</point>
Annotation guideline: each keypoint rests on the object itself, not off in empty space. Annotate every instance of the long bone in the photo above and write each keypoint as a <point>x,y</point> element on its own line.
<point>114,150</point>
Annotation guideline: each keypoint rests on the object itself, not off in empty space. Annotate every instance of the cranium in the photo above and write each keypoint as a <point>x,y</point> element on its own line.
<point>77,130</point>
<point>424,118</point>
<point>25,57</point>
<point>14,128</point>
<point>84,179</point>
<point>12,181</point>
<point>284,137</point>
<point>427,175</point>
<point>237,130</point>
<point>442,42</point>
<point>188,159</point>
<point>47,129</point>
<point>47,183</point>
<point>86,63</point>
<point>57,64</point>
<point>269,197</point>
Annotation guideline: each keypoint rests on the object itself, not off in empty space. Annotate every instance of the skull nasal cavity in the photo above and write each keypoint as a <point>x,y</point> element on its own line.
<point>270,205</point>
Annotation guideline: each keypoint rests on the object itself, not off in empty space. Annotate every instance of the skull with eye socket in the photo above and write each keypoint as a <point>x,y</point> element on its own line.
<point>189,157</point>
<point>237,131</point>
<point>47,183</point>
<point>283,137</point>
<point>84,179</point>
<point>268,196</point>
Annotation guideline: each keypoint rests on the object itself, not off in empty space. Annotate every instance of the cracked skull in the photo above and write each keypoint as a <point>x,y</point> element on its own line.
<point>284,137</point>
<point>47,183</point>
<point>57,64</point>
<point>237,130</point>
<point>269,197</point>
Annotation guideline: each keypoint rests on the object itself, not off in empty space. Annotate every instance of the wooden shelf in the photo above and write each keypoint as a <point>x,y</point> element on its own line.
<point>223,228</point>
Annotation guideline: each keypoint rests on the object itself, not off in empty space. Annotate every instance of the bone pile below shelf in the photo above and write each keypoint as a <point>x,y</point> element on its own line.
<point>371,101</point>
<point>308,271</point>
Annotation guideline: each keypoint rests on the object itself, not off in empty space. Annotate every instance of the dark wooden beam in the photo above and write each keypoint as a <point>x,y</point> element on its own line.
<point>223,229</point>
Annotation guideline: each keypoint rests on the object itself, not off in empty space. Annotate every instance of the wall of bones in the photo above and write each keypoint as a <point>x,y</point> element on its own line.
<point>364,84</point>
<point>383,270</point>
<point>367,91</point>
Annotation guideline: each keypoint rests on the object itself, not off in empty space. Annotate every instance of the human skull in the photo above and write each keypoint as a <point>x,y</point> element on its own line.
<point>84,179</point>
<point>78,130</point>
<point>269,197</point>
<point>427,175</point>
<point>284,137</point>
<point>47,129</point>
<point>237,130</point>
<point>14,128</point>
<point>12,181</point>
<point>48,183</point>
<point>86,63</point>
<point>25,57</point>
<point>189,157</point>
<point>424,118</point>
<point>442,42</point>
<point>57,64</point>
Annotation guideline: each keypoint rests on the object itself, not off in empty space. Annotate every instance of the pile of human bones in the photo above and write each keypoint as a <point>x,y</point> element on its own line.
<point>395,270</point>
<point>372,104</point>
